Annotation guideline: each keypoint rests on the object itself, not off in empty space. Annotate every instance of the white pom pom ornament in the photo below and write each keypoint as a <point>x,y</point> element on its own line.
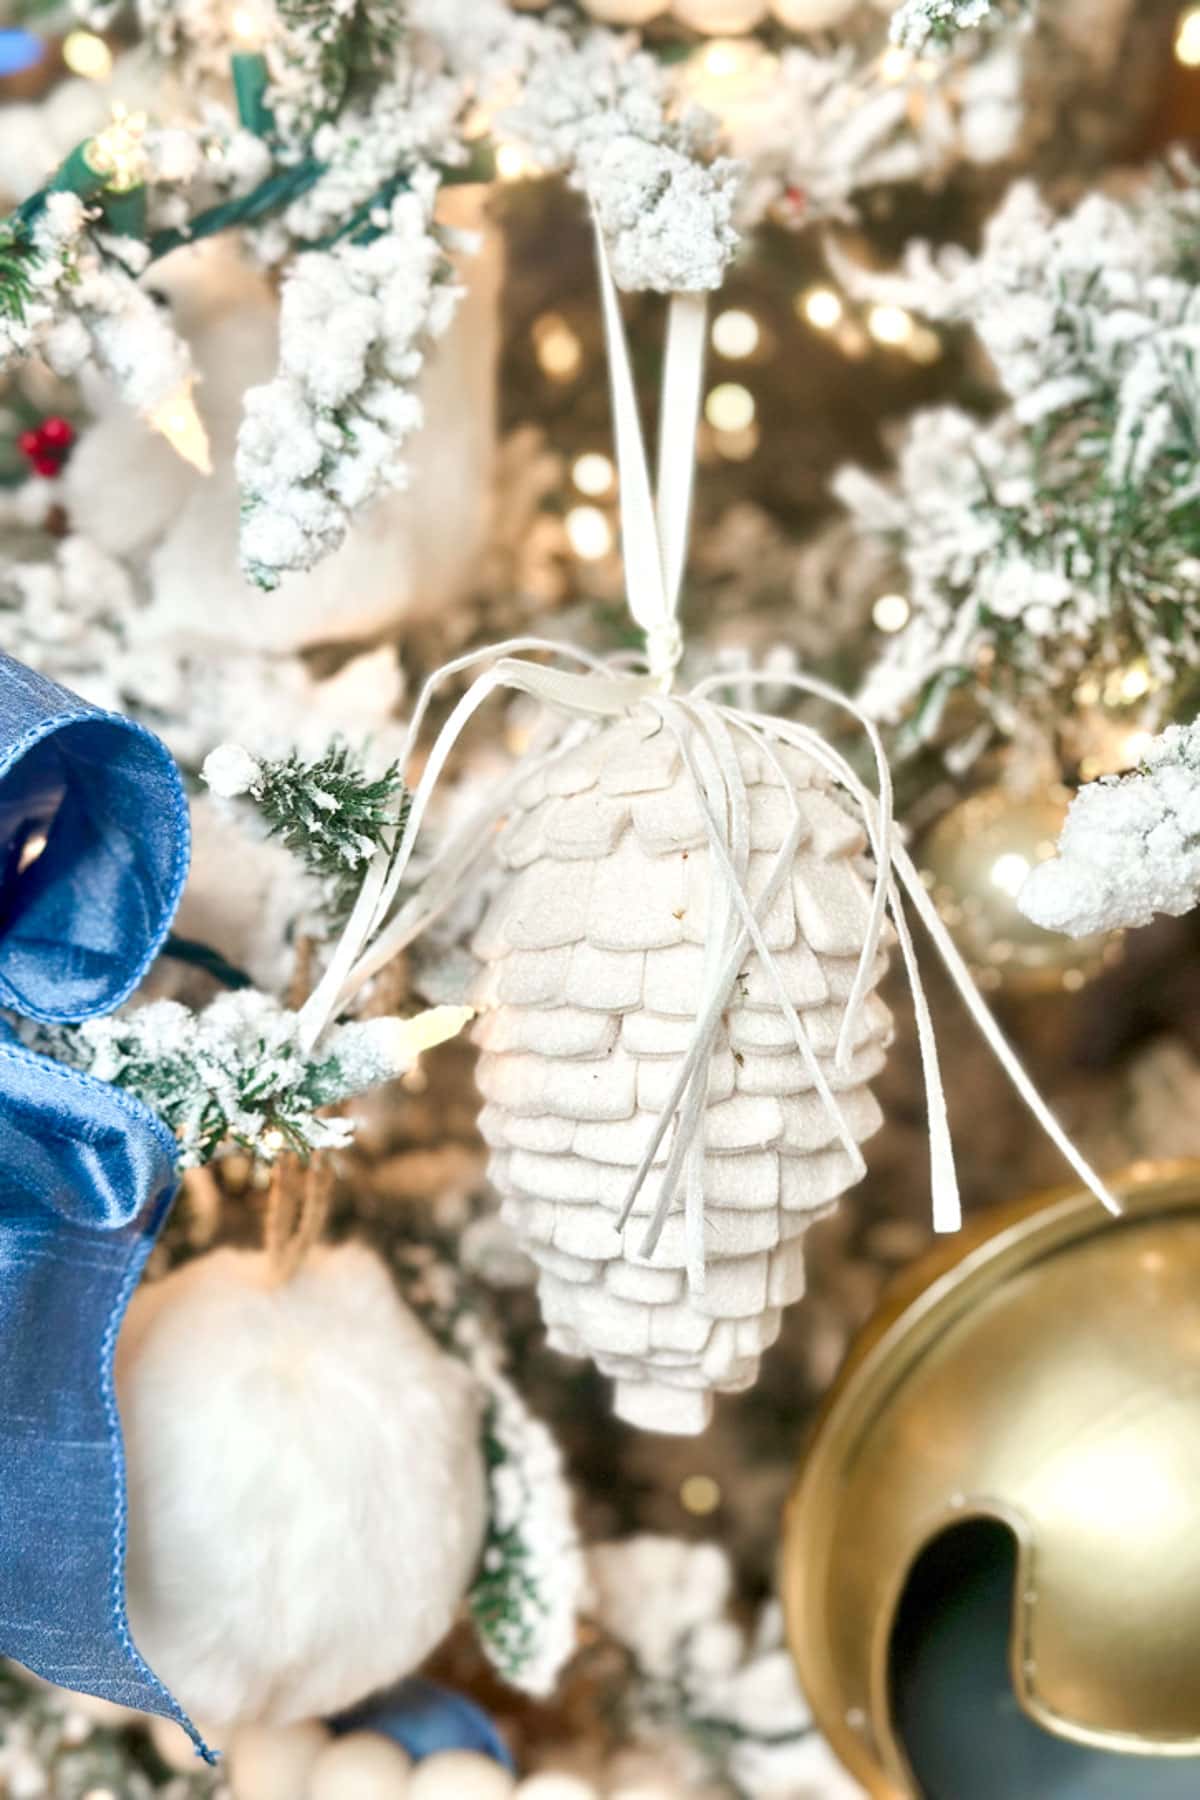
<point>306,1484</point>
<point>596,956</point>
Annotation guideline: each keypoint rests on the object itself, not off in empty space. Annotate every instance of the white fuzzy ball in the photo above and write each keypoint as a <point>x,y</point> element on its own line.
<point>306,1484</point>
<point>362,1766</point>
<point>460,1775</point>
<point>274,1762</point>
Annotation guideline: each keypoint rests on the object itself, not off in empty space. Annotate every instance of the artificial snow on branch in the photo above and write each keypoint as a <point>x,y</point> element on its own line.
<point>602,112</point>
<point>526,1597</point>
<point>327,810</point>
<point>327,434</point>
<point>1130,847</point>
<point>923,25</point>
<point>701,1681</point>
<point>1064,534</point>
<point>237,1072</point>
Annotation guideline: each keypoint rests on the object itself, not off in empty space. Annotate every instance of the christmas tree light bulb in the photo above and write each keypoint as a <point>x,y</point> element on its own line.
<point>118,152</point>
<point>247,28</point>
<point>180,423</point>
<point>87,55</point>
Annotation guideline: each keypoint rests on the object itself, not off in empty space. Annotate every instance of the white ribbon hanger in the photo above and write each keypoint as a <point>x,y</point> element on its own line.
<point>654,536</point>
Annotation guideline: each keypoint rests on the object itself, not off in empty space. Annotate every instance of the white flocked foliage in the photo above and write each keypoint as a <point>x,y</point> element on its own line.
<point>594,950</point>
<point>306,1484</point>
<point>1130,847</point>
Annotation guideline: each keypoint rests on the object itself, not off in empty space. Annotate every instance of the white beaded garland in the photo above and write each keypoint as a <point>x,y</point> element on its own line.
<point>811,15</point>
<point>716,17</point>
<point>625,12</point>
<point>273,1762</point>
<point>552,1786</point>
<point>363,1766</point>
<point>460,1775</point>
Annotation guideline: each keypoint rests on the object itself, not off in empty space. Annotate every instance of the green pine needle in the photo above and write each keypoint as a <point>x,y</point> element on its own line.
<point>17,256</point>
<point>331,816</point>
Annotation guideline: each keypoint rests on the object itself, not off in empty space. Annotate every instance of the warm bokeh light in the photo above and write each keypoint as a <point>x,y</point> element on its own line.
<point>729,407</point>
<point>699,1495</point>
<point>890,325</point>
<point>593,474</point>
<point>821,307</point>
<point>87,55</point>
<point>1187,38</point>
<point>891,612</point>
<point>590,532</point>
<point>558,349</point>
<point>735,334</point>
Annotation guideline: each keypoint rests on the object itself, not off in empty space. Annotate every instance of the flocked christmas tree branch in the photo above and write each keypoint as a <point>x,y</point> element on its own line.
<point>1130,847</point>
<point>236,1073</point>
<point>923,25</point>
<point>327,811</point>
<point>1061,538</point>
<point>351,119</point>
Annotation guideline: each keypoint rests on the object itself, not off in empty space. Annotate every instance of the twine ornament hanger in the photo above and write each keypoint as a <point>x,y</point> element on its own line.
<point>654,535</point>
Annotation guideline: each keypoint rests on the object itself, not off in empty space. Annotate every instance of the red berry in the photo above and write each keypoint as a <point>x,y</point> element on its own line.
<point>46,463</point>
<point>29,443</point>
<point>57,433</point>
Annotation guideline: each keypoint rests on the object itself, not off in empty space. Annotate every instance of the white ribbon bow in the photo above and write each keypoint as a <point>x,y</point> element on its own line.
<point>654,536</point>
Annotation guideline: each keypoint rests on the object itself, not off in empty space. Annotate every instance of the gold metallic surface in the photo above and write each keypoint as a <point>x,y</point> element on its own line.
<point>974,861</point>
<point>1043,1368</point>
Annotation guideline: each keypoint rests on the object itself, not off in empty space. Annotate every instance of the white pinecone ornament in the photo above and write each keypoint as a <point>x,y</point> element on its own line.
<point>594,954</point>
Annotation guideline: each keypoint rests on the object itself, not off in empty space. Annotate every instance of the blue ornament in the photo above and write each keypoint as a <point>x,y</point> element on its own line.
<point>424,1719</point>
<point>93,856</point>
<point>19,50</point>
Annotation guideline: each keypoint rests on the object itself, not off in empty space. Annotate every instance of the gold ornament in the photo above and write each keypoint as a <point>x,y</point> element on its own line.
<point>1040,1371</point>
<point>975,861</point>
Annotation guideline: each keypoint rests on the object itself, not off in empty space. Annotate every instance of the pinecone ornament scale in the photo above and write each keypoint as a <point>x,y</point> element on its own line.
<point>594,956</point>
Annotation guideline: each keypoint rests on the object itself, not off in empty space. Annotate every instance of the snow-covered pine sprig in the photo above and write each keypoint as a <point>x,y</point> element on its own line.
<point>326,810</point>
<point>526,1598</point>
<point>238,1073</point>
<point>324,54</point>
<point>1130,846</point>
<point>924,25</point>
<point>1061,537</point>
<point>327,434</point>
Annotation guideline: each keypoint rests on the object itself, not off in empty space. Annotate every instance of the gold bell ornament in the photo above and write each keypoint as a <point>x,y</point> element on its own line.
<point>991,1562</point>
<point>975,861</point>
<point>678,1015</point>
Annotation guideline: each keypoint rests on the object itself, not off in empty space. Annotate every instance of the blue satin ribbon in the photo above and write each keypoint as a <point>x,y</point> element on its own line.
<point>426,1719</point>
<point>93,857</point>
